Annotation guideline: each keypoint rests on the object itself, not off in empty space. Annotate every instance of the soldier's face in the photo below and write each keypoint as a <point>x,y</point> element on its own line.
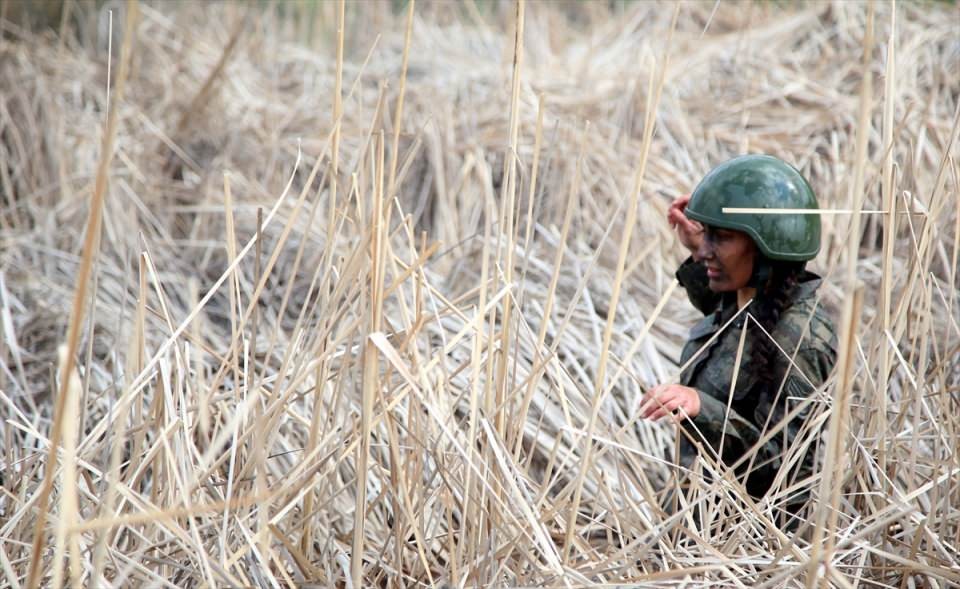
<point>728,256</point>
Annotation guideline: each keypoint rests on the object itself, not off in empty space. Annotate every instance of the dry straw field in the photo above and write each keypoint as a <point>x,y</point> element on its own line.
<point>311,294</point>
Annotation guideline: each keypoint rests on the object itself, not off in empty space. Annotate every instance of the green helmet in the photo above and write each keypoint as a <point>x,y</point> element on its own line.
<point>760,182</point>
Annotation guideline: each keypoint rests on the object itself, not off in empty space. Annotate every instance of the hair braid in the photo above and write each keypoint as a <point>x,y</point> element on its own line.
<point>772,298</point>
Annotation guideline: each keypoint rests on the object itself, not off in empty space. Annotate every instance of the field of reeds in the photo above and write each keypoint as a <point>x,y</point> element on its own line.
<point>319,294</point>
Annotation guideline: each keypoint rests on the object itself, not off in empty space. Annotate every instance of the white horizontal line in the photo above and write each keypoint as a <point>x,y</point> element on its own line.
<point>803,211</point>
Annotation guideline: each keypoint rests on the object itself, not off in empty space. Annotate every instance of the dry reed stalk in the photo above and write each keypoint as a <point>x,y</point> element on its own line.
<point>835,464</point>
<point>79,300</point>
<point>507,220</point>
<point>371,383</point>
<point>65,540</point>
<point>889,235</point>
<point>480,313</point>
<point>531,196</point>
<point>398,111</point>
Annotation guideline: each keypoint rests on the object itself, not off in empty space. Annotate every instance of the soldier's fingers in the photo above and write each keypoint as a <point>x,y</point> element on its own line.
<point>652,392</point>
<point>667,409</point>
<point>651,402</point>
<point>677,206</point>
<point>657,414</point>
<point>691,226</point>
<point>689,404</point>
<point>675,216</point>
<point>664,399</point>
<point>648,408</point>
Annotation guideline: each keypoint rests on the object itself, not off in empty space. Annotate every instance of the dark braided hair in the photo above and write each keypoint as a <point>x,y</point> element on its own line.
<point>774,280</point>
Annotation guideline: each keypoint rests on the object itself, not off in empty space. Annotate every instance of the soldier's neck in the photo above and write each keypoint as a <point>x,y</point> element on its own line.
<point>744,295</point>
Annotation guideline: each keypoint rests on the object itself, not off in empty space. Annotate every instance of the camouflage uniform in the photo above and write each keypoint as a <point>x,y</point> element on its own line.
<point>755,408</point>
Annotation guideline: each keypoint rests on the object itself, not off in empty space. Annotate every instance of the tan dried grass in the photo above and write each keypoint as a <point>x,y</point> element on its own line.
<point>377,268</point>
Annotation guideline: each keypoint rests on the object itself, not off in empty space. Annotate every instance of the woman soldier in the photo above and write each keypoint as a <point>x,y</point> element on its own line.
<point>755,261</point>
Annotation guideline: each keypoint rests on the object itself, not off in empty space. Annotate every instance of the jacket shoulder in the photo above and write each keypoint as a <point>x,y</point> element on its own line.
<point>807,326</point>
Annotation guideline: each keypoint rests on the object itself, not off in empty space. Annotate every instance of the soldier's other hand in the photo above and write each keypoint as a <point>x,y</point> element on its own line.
<point>690,232</point>
<point>669,399</point>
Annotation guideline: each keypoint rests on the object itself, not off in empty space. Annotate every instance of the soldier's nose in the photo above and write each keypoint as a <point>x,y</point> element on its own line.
<point>704,252</point>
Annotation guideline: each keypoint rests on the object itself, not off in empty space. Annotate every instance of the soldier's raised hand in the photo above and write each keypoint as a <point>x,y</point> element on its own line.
<point>690,232</point>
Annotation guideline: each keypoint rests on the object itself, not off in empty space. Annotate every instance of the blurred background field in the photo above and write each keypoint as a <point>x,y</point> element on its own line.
<point>374,303</point>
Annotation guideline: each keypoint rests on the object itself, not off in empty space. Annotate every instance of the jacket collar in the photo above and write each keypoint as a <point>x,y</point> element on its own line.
<point>804,289</point>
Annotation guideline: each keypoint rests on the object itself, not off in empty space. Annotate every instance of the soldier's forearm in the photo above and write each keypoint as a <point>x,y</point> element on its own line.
<point>692,276</point>
<point>716,422</point>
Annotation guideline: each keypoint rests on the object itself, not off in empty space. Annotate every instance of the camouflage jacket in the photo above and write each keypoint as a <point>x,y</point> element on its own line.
<point>755,408</point>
